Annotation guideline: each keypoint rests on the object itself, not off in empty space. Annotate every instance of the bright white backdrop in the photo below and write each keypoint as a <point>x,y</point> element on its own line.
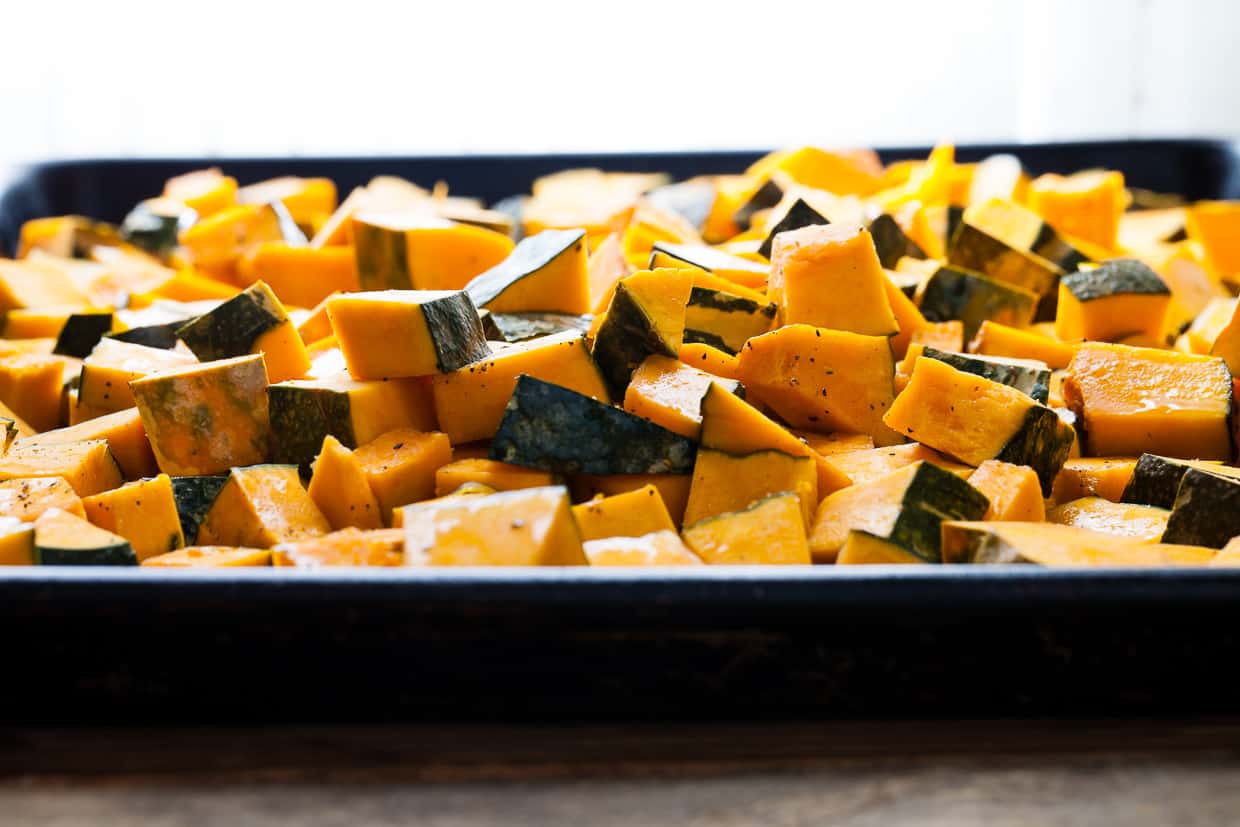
<point>361,76</point>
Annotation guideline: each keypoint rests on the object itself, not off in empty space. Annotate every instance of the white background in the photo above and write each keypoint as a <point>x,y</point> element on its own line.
<point>357,76</point>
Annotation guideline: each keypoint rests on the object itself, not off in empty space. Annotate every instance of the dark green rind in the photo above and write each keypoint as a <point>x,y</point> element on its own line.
<point>624,340</point>
<point>729,302</point>
<point>1034,382</point>
<point>1156,479</point>
<point>385,266</point>
<point>162,336</point>
<point>907,283</point>
<point>891,242</point>
<point>194,497</point>
<point>1206,511</point>
<point>984,547</point>
<point>301,417</point>
<point>455,331</point>
<point>955,217</point>
<point>691,200</point>
<point>974,249</point>
<point>82,331</point>
<point>521,327</point>
<point>555,429</point>
<point>1116,277</point>
<point>514,207</point>
<point>1051,246</point>
<point>116,554</point>
<point>932,496</point>
<point>746,318</point>
<point>972,298</point>
<point>489,328</point>
<point>154,230</point>
<point>1042,442</point>
<point>232,328</point>
<point>528,257</point>
<point>799,215</point>
<point>767,196</point>
<point>703,337</point>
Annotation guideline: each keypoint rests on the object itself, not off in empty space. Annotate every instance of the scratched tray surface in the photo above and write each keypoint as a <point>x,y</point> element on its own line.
<point>105,646</point>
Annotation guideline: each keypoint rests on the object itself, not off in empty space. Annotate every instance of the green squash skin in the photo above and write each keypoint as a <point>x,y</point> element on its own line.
<point>194,497</point>
<point>153,231</point>
<point>115,554</point>
<point>799,215</point>
<point>1112,278</point>
<point>514,207</point>
<point>691,200</point>
<point>1034,382</point>
<point>531,254</point>
<point>382,258</point>
<point>624,340</point>
<point>1206,511</point>
<point>232,328</point>
<point>521,327</point>
<point>82,331</point>
<point>983,547</point>
<point>891,242</point>
<point>973,249</point>
<point>973,298</point>
<point>161,336</point>
<point>455,331</point>
<point>724,320</point>
<point>1042,442</point>
<point>767,196</point>
<point>489,328</point>
<point>551,428</point>
<point>1156,480</point>
<point>1051,246</point>
<point>301,417</point>
<point>932,496</point>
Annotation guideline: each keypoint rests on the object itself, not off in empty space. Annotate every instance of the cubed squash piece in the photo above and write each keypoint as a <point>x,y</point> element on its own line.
<point>253,321</point>
<point>500,476</point>
<point>1206,511</point>
<point>32,386</point>
<point>1226,344</point>
<point>23,284</point>
<point>861,548</point>
<point>976,250</point>
<point>349,547</point>
<point>631,514</point>
<point>210,557</point>
<point>394,333</point>
<point>87,466</point>
<point>710,359</point>
<point>26,498</point>
<point>143,512</point>
<point>712,260</point>
<point>529,527</point>
<point>316,326</point>
<point>725,316</point>
<point>64,539</point>
<point>605,267</point>
<point>106,373</point>
<point>470,401</point>
<point>956,294</point>
<point>839,172</point>
<point>416,250</point>
<point>829,276</point>
<point>194,498</point>
<point>673,488</point>
<point>1155,480</point>
<point>823,380</point>
<point>545,272</point>
<point>975,419</point>
<point>1215,225</point>
<point>216,243</point>
<point>304,411</point>
<point>260,506</point>
<point>1013,490</point>
<point>1116,299</point>
<point>1141,522</point>
<point>17,542</point>
<point>994,339</point>
<point>658,548</point>
<point>868,464</point>
<point>340,488</point>
<point>1049,544</point>
<point>205,191</point>
<point>905,507</point>
<point>1104,477</point>
<point>401,464</point>
<point>770,531</point>
<point>1087,205</point>
<point>646,317</point>
<point>670,393</point>
<point>724,482</point>
<point>125,435</point>
<point>205,419</point>
<point>1132,399</point>
<point>301,276</point>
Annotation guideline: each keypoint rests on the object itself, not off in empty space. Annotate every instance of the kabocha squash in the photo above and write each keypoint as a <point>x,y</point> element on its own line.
<point>304,411</point>
<point>1105,477</point>
<point>16,542</point>
<point>658,548</point>
<point>673,488</point>
<point>204,191</point>
<point>710,359</point>
<point>25,285</point>
<point>724,318</point>
<point>1131,400</point>
<point>631,514</point>
<point>905,508</point>
<point>254,321</point>
<point>646,317</point>
<point>470,401</point>
<point>103,385</point>
<point>1022,228</point>
<point>210,557</point>
<point>1116,299</point>
<point>1047,544</point>
<point>81,332</point>
<point>604,268</point>
<point>975,250</point>
<point>798,216</point>
<point>530,527</point>
<point>260,506</point>
<point>771,531</point>
<point>27,498</point>
<point>975,419</point>
<point>743,272</point>
<point>1141,522</point>
<point>347,547</point>
<point>1155,480</point>
<point>300,276</point>
<point>64,539</point>
<point>1028,376</point>
<point>823,380</point>
<point>394,333</point>
<point>552,428</point>
<point>32,386</point>
<point>861,548</point>
<point>88,466</point>
<point>1206,510</point>
<point>669,393</point>
<point>522,327</point>
<point>194,497</point>
<point>545,272</point>
<point>1013,490</point>
<point>340,488</point>
<point>724,482</point>
<point>868,464</point>
<point>1087,205</point>
<point>994,339</point>
<point>1215,225</point>
<point>891,242</point>
<point>500,476</point>
<point>972,298</point>
<point>155,224</point>
<point>401,466</point>
<point>830,277</point>
<point>419,251</point>
<point>143,512</point>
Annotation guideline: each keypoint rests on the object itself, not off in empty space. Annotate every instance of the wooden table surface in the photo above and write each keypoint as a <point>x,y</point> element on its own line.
<point>841,773</point>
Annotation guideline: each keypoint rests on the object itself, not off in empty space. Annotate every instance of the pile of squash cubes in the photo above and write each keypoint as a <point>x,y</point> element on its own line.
<point>821,360</point>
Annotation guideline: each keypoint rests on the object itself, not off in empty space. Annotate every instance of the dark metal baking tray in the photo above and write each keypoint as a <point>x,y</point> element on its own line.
<point>96,646</point>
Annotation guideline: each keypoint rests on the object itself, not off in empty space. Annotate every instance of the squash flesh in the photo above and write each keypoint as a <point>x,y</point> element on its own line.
<point>340,488</point>
<point>770,531</point>
<point>724,482</point>
<point>658,548</point>
<point>1141,522</point>
<point>631,514</point>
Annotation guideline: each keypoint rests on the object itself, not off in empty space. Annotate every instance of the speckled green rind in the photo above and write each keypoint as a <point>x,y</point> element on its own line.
<point>1156,479</point>
<point>82,331</point>
<point>1042,442</point>
<point>624,340</point>
<point>555,429</point>
<point>1206,511</point>
<point>382,258</point>
<point>691,200</point>
<point>973,249</point>
<point>799,215</point>
<point>1051,246</point>
<point>891,243</point>
<point>162,336</point>
<point>301,416</point>
<point>528,257</point>
<point>232,328</point>
<point>725,320</point>
<point>977,545</point>
<point>1112,278</point>
<point>973,298</point>
<point>455,330</point>
<point>155,226</point>
<point>1033,381</point>
<point>489,328</point>
<point>521,327</point>
<point>932,496</point>
<point>48,552</point>
<point>194,497</point>
<point>767,196</point>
